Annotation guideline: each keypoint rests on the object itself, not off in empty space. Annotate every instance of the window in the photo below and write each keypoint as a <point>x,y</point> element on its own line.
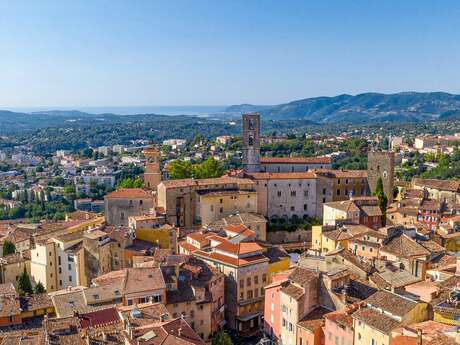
<point>324,191</point>
<point>256,279</point>
<point>192,314</point>
<point>70,266</point>
<point>221,201</point>
<point>256,293</point>
<point>221,210</point>
<point>292,208</point>
<point>248,281</point>
<point>212,208</point>
<point>305,207</point>
<point>293,193</point>
<point>59,259</point>
<point>130,302</point>
<point>264,277</point>
<point>305,193</point>
<point>291,327</point>
<point>338,191</point>
<point>241,283</point>
<point>279,193</point>
<point>70,278</point>
<point>249,294</point>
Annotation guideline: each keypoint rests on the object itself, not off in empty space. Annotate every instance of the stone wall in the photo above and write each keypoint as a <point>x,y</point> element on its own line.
<point>278,237</point>
<point>381,165</point>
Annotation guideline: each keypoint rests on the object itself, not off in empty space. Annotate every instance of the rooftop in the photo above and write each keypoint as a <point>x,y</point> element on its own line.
<point>295,160</point>
<point>129,193</point>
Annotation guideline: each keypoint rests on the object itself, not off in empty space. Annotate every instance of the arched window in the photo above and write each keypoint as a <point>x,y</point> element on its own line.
<point>251,124</point>
<point>251,140</point>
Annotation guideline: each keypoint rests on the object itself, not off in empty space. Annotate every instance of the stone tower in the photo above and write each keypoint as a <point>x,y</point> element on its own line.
<point>152,173</point>
<point>251,142</point>
<point>381,164</point>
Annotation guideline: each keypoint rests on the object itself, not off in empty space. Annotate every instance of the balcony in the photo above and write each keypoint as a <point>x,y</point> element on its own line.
<point>250,300</point>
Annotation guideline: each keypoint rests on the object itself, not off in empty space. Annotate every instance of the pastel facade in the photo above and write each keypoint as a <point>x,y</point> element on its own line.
<point>294,164</point>
<point>181,199</point>
<point>125,203</point>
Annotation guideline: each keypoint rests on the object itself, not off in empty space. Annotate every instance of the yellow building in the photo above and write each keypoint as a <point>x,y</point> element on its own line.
<point>214,205</point>
<point>328,238</point>
<point>11,266</point>
<point>449,235</point>
<point>385,311</point>
<point>279,261</point>
<point>85,225</point>
<point>164,236</point>
<point>190,202</point>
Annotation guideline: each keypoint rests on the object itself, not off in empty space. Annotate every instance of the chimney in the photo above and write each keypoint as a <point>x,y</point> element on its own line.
<point>419,337</point>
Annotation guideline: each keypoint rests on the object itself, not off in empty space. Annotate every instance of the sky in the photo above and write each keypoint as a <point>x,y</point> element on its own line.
<point>136,53</point>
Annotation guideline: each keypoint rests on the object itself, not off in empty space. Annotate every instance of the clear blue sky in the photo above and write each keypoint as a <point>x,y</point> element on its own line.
<point>124,53</point>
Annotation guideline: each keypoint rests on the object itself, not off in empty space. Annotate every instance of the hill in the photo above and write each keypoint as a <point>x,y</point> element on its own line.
<point>366,108</point>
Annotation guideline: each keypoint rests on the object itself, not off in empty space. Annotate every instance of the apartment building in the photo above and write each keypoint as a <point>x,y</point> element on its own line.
<point>137,285</point>
<point>285,195</point>
<point>383,312</point>
<point>245,269</point>
<point>124,203</point>
<point>358,210</point>
<point>58,262</point>
<point>190,202</point>
<point>445,191</point>
<point>195,292</point>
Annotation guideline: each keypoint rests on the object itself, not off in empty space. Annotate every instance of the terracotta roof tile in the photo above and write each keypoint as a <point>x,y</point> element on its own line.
<point>129,193</point>
<point>295,160</point>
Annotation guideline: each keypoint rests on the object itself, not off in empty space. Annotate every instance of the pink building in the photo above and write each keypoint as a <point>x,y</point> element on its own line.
<point>338,328</point>
<point>272,307</point>
<point>425,290</point>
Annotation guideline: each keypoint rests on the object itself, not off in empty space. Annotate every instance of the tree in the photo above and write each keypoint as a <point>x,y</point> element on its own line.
<point>8,248</point>
<point>23,285</point>
<point>180,169</point>
<point>131,183</point>
<point>221,338</point>
<point>383,200</point>
<point>208,169</point>
<point>39,288</point>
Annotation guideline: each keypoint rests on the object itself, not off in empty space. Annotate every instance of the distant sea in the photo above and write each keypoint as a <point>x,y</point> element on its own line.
<point>200,110</point>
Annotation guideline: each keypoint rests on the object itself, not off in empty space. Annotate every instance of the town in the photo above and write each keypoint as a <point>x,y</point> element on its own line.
<point>250,239</point>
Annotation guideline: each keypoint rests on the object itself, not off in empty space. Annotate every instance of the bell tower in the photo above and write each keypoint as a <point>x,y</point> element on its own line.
<point>152,173</point>
<point>251,142</point>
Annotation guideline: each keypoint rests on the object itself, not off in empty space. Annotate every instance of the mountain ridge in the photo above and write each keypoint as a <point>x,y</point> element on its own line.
<point>368,107</point>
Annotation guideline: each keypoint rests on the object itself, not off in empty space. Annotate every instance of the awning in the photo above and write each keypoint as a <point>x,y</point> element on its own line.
<point>248,317</point>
